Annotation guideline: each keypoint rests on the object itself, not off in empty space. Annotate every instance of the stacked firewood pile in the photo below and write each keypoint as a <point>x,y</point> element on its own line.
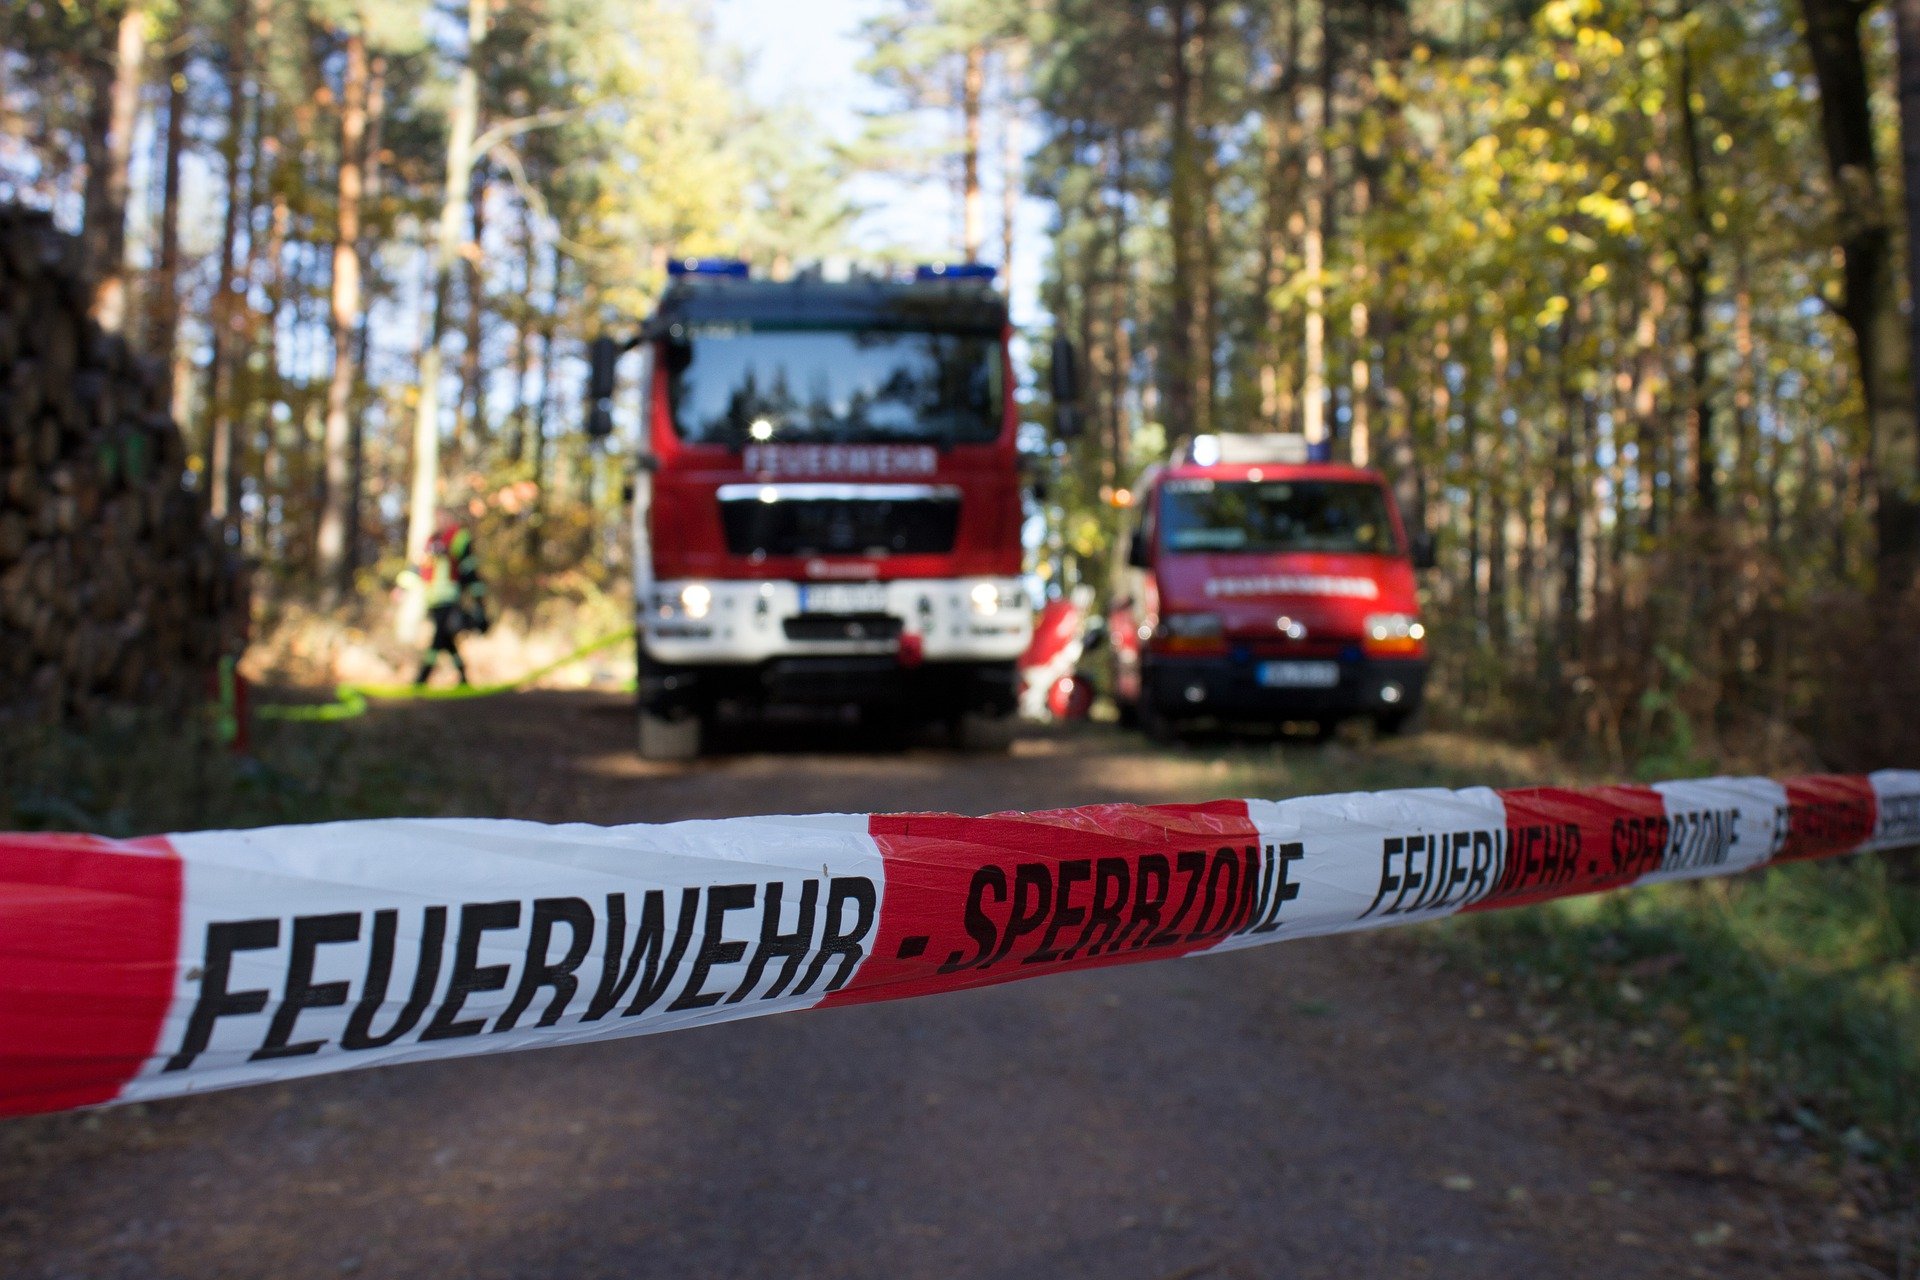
<point>115,586</point>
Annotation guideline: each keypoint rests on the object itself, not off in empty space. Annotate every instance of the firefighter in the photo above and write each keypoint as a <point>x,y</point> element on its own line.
<point>456,597</point>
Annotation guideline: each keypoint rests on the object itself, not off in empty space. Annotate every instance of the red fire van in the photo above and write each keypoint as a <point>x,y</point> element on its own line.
<point>1265,586</point>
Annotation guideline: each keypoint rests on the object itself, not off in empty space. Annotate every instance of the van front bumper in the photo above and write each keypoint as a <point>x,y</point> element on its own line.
<point>1231,688</point>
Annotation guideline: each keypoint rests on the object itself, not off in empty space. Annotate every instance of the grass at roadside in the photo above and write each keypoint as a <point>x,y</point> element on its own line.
<point>1795,990</point>
<point>140,774</point>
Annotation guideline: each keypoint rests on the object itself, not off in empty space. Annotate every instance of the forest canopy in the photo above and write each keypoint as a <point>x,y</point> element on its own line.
<point>1612,290</point>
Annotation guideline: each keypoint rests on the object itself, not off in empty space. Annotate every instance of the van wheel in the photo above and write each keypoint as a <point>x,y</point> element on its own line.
<point>670,740</point>
<point>985,732</point>
<point>1391,724</point>
<point>1160,728</point>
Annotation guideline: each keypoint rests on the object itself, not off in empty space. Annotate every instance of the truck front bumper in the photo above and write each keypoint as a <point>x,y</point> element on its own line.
<point>926,647</point>
<point>1230,688</point>
<point>927,691</point>
<point>746,622</point>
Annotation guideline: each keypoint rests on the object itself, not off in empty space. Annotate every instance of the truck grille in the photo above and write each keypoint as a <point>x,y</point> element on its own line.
<point>810,520</point>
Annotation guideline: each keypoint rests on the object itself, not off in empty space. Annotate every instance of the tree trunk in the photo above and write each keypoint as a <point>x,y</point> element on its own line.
<point>536,515</point>
<point>1696,262</point>
<point>163,293</point>
<point>1871,305</point>
<point>524,313</point>
<point>1499,513</point>
<point>106,215</point>
<point>336,505</point>
<point>470,424</point>
<point>1314,258</point>
<point>270,265</point>
<point>223,481</point>
<point>1280,140</point>
<point>1206,319</point>
<point>1183,228</point>
<point>1121,293</point>
<point>1011,160</point>
<point>1907,31</point>
<point>425,494</point>
<point>973,84</point>
<point>363,343</point>
<point>1359,437</point>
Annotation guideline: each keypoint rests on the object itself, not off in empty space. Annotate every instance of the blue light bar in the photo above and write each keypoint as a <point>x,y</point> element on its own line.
<point>956,271</point>
<point>724,268</point>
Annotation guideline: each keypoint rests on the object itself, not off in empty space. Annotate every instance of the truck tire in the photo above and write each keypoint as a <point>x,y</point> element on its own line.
<point>985,732</point>
<point>670,740</point>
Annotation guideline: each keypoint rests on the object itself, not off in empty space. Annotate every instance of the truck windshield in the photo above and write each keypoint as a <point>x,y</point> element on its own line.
<point>1275,515</point>
<point>738,386</point>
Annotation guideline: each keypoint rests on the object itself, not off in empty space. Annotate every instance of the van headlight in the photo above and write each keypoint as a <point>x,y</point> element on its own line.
<point>1192,625</point>
<point>1191,633</point>
<point>1393,635</point>
<point>985,598</point>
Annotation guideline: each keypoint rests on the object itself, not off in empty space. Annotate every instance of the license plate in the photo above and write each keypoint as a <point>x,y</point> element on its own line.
<point>844,597</point>
<point>1299,675</point>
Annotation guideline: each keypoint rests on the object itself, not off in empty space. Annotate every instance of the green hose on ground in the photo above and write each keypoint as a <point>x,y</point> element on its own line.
<point>350,700</point>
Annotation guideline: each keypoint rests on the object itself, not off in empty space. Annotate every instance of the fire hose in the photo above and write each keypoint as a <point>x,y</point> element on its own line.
<point>350,700</point>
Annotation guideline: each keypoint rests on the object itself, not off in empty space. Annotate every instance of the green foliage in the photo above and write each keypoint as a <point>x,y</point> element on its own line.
<point>1578,282</point>
<point>132,774</point>
<point>613,134</point>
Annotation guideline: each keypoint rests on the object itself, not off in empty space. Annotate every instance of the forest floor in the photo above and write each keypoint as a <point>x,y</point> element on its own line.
<point>1351,1106</point>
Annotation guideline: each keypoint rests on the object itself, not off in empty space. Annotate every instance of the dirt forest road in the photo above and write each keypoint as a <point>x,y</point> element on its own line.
<point>1341,1107</point>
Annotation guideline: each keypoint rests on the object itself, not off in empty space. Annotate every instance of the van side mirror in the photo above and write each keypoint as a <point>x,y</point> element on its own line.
<point>603,359</point>
<point>1424,553</point>
<point>1066,388</point>
<point>1137,550</point>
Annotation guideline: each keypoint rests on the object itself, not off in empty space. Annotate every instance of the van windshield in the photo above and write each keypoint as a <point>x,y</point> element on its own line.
<point>1256,516</point>
<point>739,386</point>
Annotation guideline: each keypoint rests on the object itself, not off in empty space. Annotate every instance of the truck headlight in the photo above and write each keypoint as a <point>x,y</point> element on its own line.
<point>1393,635</point>
<point>696,600</point>
<point>985,598</point>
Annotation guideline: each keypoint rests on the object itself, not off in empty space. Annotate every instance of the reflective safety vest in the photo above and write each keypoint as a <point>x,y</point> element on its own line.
<point>450,568</point>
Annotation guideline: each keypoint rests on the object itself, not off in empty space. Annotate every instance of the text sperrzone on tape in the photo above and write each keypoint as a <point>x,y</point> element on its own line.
<point>142,969</point>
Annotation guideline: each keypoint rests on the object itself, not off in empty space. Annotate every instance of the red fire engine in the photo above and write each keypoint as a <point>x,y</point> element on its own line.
<point>827,501</point>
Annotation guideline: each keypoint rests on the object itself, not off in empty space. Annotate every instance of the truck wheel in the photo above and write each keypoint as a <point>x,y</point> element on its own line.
<point>985,732</point>
<point>669,740</point>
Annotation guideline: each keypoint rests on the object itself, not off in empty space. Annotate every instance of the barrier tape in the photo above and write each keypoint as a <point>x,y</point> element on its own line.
<point>350,700</point>
<point>140,969</point>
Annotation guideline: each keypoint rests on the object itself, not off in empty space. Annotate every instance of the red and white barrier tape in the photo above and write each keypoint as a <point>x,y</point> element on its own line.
<point>149,968</point>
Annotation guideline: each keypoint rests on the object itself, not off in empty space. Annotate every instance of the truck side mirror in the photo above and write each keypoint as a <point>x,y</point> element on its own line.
<point>603,358</point>
<point>1424,554</point>
<point>1137,551</point>
<point>1066,388</point>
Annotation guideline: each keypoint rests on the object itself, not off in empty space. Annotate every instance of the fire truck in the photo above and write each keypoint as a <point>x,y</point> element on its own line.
<point>1266,584</point>
<point>827,500</point>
